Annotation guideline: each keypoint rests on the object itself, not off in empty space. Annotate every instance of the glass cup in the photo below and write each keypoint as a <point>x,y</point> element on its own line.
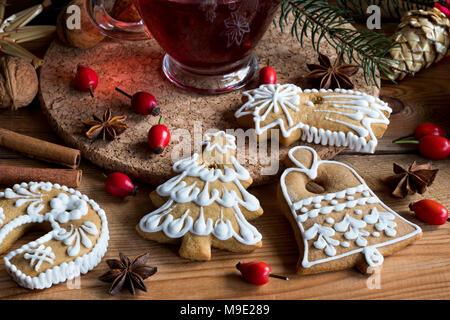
<point>208,43</point>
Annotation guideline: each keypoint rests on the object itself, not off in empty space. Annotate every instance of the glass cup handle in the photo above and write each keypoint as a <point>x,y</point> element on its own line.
<point>111,27</point>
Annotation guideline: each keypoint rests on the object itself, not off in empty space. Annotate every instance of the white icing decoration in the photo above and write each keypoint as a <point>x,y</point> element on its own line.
<point>335,206</point>
<point>375,234</point>
<point>309,104</point>
<point>39,255</point>
<point>334,202</point>
<point>72,238</point>
<point>324,238</point>
<point>355,231</point>
<point>270,98</point>
<point>31,196</point>
<point>370,253</point>
<point>67,208</point>
<point>66,270</point>
<point>350,198</point>
<point>177,190</point>
<point>383,221</point>
<point>329,220</point>
<point>345,244</point>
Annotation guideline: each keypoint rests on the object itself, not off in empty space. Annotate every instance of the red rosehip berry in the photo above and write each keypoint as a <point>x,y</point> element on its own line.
<point>143,102</point>
<point>86,79</point>
<point>158,137</point>
<point>120,185</point>
<point>267,75</point>
<point>428,129</point>
<point>257,273</point>
<point>430,211</point>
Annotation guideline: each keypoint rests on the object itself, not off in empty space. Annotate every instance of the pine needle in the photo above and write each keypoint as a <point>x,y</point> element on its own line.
<point>320,21</point>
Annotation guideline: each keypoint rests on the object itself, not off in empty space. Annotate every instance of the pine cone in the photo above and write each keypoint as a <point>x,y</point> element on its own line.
<point>423,37</point>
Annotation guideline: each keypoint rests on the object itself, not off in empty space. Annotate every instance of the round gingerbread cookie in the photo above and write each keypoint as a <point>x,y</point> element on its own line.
<point>76,243</point>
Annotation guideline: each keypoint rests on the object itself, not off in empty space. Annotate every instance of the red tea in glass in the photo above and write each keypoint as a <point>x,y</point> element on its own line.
<point>208,42</point>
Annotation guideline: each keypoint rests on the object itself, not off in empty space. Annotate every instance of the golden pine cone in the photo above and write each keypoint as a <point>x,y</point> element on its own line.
<point>423,37</point>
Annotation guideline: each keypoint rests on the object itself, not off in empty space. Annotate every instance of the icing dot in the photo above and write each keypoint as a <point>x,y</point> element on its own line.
<point>375,234</point>
<point>329,220</point>
<point>317,205</point>
<point>357,211</point>
<point>303,210</point>
<point>366,193</point>
<point>334,202</point>
<point>350,198</point>
<point>345,244</point>
<point>310,104</point>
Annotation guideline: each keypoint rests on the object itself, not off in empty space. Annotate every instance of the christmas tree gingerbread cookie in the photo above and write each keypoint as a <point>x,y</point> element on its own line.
<point>206,204</point>
<point>76,236</point>
<point>337,220</point>
<point>338,117</point>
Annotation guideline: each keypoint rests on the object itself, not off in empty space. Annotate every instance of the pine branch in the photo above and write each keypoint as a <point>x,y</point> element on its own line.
<point>320,22</point>
<point>394,9</point>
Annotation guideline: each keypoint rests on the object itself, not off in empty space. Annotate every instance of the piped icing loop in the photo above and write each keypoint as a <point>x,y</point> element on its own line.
<point>77,223</point>
<point>359,216</point>
<point>198,187</point>
<point>285,105</point>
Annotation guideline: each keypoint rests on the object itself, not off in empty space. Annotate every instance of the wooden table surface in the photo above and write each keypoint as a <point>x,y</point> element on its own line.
<point>420,271</point>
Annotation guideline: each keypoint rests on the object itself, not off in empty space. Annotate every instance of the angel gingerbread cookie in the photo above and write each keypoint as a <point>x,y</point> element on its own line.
<point>206,204</point>
<point>338,117</point>
<point>76,239</point>
<point>337,220</point>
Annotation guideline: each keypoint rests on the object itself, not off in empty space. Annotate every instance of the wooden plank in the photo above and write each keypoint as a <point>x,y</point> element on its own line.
<point>418,272</point>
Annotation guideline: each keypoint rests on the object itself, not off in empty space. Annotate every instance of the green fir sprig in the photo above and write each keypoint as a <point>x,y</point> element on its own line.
<point>320,21</point>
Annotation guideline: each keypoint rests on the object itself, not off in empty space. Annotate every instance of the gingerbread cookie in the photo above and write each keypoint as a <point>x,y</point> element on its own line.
<point>338,117</point>
<point>206,204</point>
<point>77,240</point>
<point>338,221</point>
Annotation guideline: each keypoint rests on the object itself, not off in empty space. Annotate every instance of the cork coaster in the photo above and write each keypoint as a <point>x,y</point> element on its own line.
<point>136,66</point>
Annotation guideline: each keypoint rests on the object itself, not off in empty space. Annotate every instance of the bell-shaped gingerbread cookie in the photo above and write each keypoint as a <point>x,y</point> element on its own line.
<point>76,236</point>
<point>338,221</point>
<point>340,117</point>
<point>206,204</point>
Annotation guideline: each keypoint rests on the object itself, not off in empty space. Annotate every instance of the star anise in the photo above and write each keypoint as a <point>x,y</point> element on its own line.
<point>331,76</point>
<point>126,273</point>
<point>108,127</point>
<point>416,179</point>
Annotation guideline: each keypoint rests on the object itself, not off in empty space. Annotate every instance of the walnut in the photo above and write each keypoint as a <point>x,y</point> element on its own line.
<point>86,37</point>
<point>125,10</point>
<point>18,82</point>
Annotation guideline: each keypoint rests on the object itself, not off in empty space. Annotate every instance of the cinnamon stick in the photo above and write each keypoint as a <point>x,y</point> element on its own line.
<point>10,175</point>
<point>40,149</point>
